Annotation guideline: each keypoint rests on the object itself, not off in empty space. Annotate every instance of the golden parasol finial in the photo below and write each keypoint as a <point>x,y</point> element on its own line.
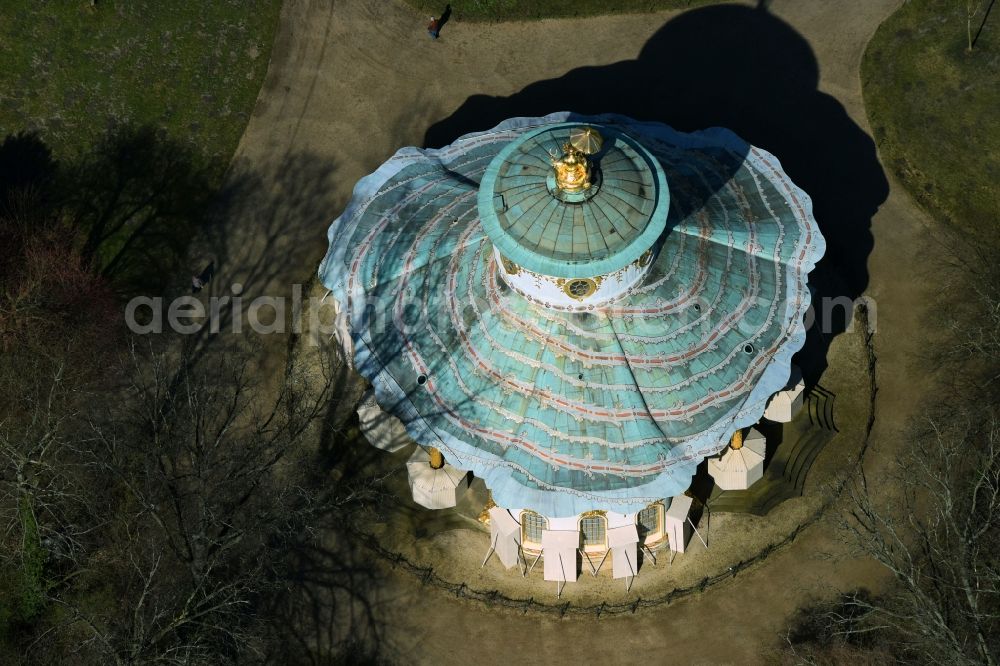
<point>587,140</point>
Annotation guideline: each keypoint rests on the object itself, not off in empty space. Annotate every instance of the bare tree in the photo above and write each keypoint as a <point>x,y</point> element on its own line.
<point>200,455</point>
<point>48,509</point>
<point>197,490</point>
<point>973,322</point>
<point>51,507</point>
<point>934,524</point>
<point>972,9</point>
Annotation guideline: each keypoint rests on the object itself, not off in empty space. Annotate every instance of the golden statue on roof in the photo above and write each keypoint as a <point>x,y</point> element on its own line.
<point>573,167</point>
<point>572,170</point>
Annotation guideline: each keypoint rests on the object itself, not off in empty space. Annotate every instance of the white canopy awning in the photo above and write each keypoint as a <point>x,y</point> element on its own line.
<point>505,537</point>
<point>624,545</point>
<point>559,551</point>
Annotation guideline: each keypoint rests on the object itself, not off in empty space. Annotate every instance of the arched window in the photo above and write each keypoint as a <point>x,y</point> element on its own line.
<point>650,522</point>
<point>594,527</point>
<point>532,525</point>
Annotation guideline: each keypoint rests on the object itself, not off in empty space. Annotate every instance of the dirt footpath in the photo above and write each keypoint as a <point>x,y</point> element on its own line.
<point>351,81</point>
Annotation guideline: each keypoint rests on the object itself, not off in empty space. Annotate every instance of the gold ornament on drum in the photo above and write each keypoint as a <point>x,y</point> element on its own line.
<point>509,267</point>
<point>578,288</point>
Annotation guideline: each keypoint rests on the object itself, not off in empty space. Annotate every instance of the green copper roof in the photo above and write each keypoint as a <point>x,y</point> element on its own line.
<point>563,412</point>
<point>616,221</point>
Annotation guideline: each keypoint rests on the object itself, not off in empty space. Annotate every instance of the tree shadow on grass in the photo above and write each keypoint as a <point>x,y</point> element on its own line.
<point>129,204</point>
<point>138,196</point>
<point>27,171</point>
<point>747,70</point>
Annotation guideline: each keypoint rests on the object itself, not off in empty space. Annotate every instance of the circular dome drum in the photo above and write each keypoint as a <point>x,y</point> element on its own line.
<point>579,245</point>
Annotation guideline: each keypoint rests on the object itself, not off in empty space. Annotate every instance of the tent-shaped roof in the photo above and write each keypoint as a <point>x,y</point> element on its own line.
<point>434,487</point>
<point>564,412</point>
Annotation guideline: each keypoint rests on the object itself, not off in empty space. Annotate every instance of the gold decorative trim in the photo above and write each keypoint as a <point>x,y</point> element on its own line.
<point>644,258</point>
<point>484,515</point>
<point>579,288</point>
<point>509,266</point>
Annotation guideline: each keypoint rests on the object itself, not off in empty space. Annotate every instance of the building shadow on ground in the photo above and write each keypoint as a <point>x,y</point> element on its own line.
<point>747,70</point>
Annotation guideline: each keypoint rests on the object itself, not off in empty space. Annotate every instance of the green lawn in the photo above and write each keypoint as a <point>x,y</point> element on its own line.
<point>934,108</point>
<point>521,10</point>
<point>70,70</point>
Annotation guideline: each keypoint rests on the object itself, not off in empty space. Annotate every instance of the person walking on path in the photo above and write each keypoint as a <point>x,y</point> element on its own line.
<point>198,282</point>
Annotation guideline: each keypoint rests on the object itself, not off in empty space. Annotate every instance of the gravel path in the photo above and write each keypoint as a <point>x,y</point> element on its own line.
<point>351,81</point>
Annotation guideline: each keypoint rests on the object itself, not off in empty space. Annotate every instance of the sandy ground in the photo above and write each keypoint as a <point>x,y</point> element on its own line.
<point>350,81</point>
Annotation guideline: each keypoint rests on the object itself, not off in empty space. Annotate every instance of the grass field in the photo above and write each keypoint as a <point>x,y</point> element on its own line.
<point>70,70</point>
<point>934,108</point>
<point>523,10</point>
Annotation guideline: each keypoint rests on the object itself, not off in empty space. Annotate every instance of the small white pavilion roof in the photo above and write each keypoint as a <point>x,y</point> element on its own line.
<point>435,488</point>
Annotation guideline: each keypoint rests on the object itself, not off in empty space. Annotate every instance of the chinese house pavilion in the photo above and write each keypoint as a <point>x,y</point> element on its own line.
<point>578,311</point>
